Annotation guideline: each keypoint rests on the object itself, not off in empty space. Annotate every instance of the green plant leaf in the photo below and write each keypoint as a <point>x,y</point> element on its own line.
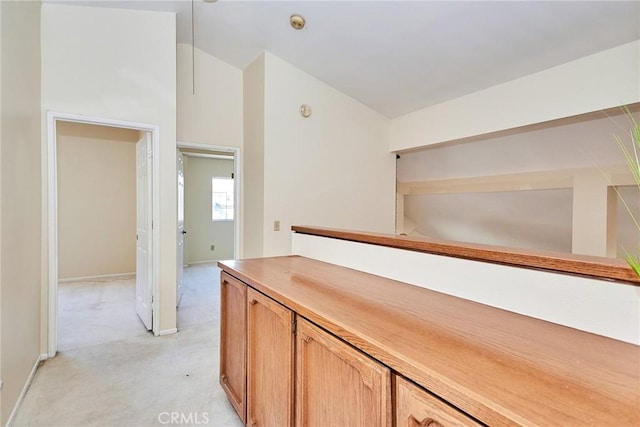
<point>633,160</point>
<point>634,262</point>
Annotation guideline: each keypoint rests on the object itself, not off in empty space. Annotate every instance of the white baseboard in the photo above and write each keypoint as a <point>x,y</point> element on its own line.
<point>97,278</point>
<point>168,332</point>
<point>23,393</point>
<point>202,262</point>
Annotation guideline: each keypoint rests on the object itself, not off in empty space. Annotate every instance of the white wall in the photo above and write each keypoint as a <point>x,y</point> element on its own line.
<point>527,219</point>
<point>213,115</point>
<point>628,234</point>
<point>602,307</point>
<point>533,219</point>
<point>120,64</point>
<point>20,197</point>
<point>577,142</point>
<point>202,232</point>
<point>596,82</point>
<point>332,169</point>
<point>96,200</point>
<point>253,167</point>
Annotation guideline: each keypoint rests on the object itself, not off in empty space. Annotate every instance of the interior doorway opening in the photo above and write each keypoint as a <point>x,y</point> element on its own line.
<point>97,208</point>
<point>94,233</point>
<point>208,206</point>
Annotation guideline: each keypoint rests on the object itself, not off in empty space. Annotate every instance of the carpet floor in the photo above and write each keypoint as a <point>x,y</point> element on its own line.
<point>110,371</point>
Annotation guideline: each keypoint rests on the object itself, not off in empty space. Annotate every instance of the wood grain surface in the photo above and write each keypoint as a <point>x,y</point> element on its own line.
<point>583,265</point>
<point>417,408</point>
<point>501,368</point>
<point>269,362</point>
<point>233,322</point>
<point>337,385</point>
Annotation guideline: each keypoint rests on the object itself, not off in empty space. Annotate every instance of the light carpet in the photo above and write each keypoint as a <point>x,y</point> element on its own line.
<point>111,372</point>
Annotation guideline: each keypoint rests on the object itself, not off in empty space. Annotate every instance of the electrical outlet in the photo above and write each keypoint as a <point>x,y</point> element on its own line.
<point>276,225</point>
<point>213,247</point>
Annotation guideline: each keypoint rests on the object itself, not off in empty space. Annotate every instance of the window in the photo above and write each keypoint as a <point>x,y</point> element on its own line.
<point>221,199</point>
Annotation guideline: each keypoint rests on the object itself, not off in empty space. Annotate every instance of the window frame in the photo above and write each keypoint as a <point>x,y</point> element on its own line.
<point>228,208</point>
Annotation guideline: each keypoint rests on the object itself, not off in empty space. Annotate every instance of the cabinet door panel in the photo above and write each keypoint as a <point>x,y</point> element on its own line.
<point>415,407</point>
<point>270,362</point>
<point>233,322</point>
<point>336,385</point>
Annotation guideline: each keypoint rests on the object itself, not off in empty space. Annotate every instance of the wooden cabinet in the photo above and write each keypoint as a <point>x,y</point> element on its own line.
<point>270,362</point>
<point>416,407</point>
<point>337,385</point>
<point>233,322</point>
<point>457,363</point>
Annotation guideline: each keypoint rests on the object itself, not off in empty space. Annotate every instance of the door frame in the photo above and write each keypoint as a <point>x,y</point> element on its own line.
<point>52,213</point>
<point>237,179</point>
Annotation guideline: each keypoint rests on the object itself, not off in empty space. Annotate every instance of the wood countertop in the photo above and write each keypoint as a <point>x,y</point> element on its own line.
<point>499,367</point>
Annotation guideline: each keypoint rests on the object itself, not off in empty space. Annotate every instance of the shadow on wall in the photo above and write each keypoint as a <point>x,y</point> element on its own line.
<point>540,219</point>
<point>527,219</point>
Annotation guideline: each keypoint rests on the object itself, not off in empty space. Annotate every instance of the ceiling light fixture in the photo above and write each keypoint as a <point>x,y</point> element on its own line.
<point>209,1</point>
<point>297,22</point>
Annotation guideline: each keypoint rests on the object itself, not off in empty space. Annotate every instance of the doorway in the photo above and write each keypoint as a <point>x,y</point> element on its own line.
<point>208,206</point>
<point>146,178</point>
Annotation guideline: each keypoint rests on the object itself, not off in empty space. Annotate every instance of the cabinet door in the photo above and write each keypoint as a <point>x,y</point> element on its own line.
<point>270,362</point>
<point>416,407</point>
<point>233,322</point>
<point>337,385</point>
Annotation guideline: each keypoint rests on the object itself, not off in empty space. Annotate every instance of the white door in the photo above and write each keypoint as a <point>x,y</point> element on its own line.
<point>181,231</point>
<point>144,284</point>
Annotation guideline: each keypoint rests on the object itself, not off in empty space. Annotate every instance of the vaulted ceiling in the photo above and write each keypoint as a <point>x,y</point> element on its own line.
<point>401,56</point>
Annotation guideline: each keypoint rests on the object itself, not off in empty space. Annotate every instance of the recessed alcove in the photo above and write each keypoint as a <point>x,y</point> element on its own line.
<point>548,186</point>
